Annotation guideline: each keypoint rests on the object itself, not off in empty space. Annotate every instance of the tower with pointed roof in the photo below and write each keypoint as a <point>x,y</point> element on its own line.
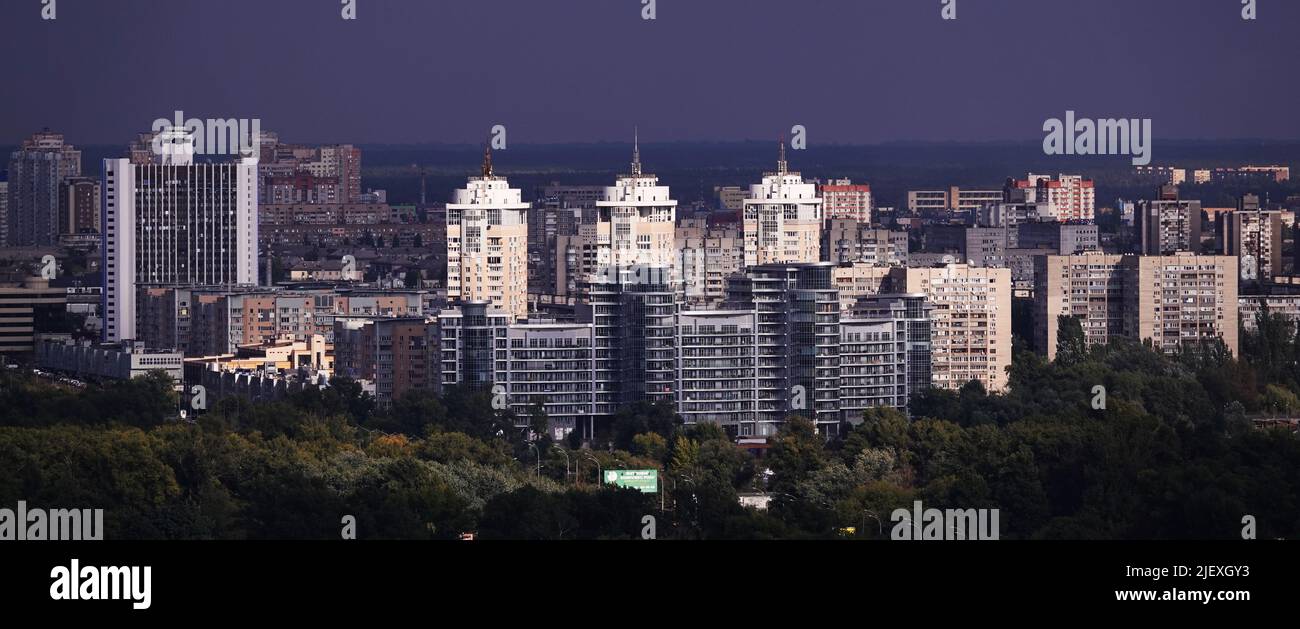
<point>487,242</point>
<point>635,228</point>
<point>782,217</point>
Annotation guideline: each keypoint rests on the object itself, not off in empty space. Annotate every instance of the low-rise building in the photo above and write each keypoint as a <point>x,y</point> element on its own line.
<point>115,361</point>
<point>27,308</point>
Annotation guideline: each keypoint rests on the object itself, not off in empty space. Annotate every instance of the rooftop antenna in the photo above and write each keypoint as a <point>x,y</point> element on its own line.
<point>636,152</point>
<point>487,160</point>
<point>781,166</point>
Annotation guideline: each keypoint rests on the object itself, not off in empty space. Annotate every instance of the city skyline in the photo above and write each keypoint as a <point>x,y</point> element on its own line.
<point>850,273</point>
<point>447,73</point>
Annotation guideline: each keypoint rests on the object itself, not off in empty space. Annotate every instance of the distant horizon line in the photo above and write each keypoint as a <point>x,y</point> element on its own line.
<point>750,141</point>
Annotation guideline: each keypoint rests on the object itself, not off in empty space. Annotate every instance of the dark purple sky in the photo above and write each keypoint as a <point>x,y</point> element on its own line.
<point>851,71</point>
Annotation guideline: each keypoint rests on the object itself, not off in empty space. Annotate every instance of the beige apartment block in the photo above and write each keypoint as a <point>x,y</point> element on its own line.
<point>1090,286</point>
<point>782,219</point>
<point>487,243</point>
<point>635,227</point>
<point>842,198</point>
<point>1186,299</point>
<point>859,279</point>
<point>849,240</point>
<point>708,256</point>
<point>1172,300</point>
<point>971,322</point>
<point>1255,237</point>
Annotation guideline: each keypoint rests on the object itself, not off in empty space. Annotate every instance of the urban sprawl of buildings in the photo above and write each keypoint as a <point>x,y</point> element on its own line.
<point>274,271</point>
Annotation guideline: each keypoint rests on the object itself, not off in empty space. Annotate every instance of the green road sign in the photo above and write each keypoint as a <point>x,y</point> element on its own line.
<point>645,480</point>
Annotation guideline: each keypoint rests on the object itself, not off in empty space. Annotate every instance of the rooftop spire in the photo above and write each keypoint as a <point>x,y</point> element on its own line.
<point>487,161</point>
<point>636,152</point>
<point>781,166</point>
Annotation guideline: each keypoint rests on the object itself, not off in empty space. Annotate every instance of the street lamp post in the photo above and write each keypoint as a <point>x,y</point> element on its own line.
<point>880,529</point>
<point>566,462</point>
<point>598,470</point>
<point>694,501</point>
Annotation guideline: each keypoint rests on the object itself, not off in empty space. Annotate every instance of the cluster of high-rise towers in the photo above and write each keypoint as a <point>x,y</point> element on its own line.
<point>805,305</point>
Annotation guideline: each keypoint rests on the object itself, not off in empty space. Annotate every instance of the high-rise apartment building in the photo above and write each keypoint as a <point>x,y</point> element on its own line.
<point>1175,301</point>
<point>633,311</point>
<point>549,364</point>
<point>634,226</point>
<point>873,364</point>
<point>550,219</point>
<point>577,197</point>
<point>736,366</point>
<point>1014,213</point>
<point>717,369</point>
<point>1064,238</point>
<point>782,219</point>
<point>175,223</point>
<point>1184,300</point>
<point>707,256</point>
<point>778,348</point>
<point>1092,287</point>
<point>914,312</point>
<point>1255,236</point>
<point>396,355</point>
<point>79,206</point>
<point>1168,225</point>
<point>37,171</point>
<point>851,240</point>
<point>855,280</point>
<point>465,344</point>
<point>487,243</point>
<point>1070,197</point>
<point>977,246</point>
<point>291,173</point>
<point>844,199</point>
<point>798,333</point>
<point>971,322</point>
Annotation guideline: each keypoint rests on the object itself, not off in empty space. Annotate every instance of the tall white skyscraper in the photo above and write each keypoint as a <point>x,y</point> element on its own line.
<point>635,226</point>
<point>487,243</point>
<point>783,218</point>
<point>638,219</point>
<point>175,223</point>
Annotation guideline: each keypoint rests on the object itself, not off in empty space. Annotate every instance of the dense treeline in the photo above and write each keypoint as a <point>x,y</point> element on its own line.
<point>1173,454</point>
